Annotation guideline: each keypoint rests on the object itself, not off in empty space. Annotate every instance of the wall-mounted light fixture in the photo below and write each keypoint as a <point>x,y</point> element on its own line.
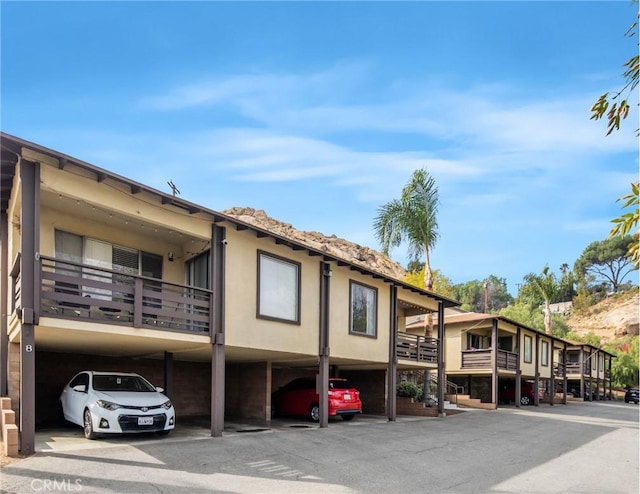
<point>170,256</point>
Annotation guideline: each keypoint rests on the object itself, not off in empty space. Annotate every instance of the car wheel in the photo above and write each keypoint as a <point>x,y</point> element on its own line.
<point>314,412</point>
<point>88,425</point>
<point>348,417</point>
<point>525,400</point>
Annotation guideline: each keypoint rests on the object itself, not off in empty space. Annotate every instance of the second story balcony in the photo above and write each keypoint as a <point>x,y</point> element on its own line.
<point>481,359</point>
<point>417,348</point>
<point>77,291</point>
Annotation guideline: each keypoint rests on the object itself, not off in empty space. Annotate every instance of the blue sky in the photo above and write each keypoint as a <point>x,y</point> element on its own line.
<point>319,112</point>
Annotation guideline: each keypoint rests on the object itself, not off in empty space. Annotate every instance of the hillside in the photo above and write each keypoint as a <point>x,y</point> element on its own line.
<point>610,319</point>
<point>332,244</point>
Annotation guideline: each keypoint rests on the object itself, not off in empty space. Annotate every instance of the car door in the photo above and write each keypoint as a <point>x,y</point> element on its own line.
<point>75,401</point>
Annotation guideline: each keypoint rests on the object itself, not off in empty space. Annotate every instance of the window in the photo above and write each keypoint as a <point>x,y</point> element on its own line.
<point>363,303</point>
<point>474,341</point>
<point>544,357</point>
<point>125,261</point>
<point>601,363</point>
<point>593,360</point>
<point>527,349</point>
<point>505,343</point>
<point>278,289</point>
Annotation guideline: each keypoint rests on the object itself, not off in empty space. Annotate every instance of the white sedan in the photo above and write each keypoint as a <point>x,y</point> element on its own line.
<point>116,402</point>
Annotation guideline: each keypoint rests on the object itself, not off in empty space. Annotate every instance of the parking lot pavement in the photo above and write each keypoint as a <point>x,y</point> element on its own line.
<point>69,437</point>
<point>586,448</point>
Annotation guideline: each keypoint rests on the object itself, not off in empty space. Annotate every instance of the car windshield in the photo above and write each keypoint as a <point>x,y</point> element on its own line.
<point>114,382</point>
<point>340,385</point>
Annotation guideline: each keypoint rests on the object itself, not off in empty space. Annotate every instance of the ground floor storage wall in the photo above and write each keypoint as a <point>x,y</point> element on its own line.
<point>372,385</point>
<point>478,387</point>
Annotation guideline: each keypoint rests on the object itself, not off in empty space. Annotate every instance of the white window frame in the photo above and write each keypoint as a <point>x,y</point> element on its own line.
<point>544,354</point>
<point>528,346</point>
<point>371,300</point>
<point>278,288</point>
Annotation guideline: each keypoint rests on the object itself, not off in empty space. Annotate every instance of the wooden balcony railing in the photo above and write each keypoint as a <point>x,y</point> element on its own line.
<point>576,368</point>
<point>481,359</point>
<point>416,348</point>
<point>79,291</point>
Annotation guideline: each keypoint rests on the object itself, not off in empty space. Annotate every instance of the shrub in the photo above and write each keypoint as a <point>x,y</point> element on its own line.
<point>406,389</point>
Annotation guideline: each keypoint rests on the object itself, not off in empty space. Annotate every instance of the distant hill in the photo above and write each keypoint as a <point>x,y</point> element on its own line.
<point>615,317</point>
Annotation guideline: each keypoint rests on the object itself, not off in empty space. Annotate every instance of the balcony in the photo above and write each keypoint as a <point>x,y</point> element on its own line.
<point>574,368</point>
<point>481,359</point>
<point>417,348</point>
<point>71,290</point>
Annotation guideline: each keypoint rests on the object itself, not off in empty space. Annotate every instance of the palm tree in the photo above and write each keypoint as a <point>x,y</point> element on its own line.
<point>412,219</point>
<point>546,286</point>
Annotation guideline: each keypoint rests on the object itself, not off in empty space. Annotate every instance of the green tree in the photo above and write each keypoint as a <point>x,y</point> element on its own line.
<point>412,218</point>
<point>545,285</point>
<point>607,260</point>
<point>530,316</point>
<point>624,368</point>
<point>616,107</point>
<point>441,284</point>
<point>566,290</point>
<point>628,222</point>
<point>470,295</point>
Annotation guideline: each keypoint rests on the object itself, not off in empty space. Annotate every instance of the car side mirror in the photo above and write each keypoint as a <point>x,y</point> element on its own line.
<point>80,388</point>
<point>159,389</point>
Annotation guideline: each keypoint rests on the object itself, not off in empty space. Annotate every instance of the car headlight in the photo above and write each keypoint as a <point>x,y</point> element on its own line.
<point>166,405</point>
<point>107,404</point>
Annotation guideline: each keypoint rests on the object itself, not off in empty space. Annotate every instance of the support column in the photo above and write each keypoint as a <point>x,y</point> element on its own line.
<point>581,370</point>
<point>4,309</point>
<point>494,362</point>
<point>564,374</point>
<point>442,378</point>
<point>30,177</point>
<point>322,383</point>
<point>536,382</point>
<point>168,374</point>
<point>216,327</point>
<point>518,395</point>
<point>392,366</point>
<point>552,391</point>
<point>610,395</point>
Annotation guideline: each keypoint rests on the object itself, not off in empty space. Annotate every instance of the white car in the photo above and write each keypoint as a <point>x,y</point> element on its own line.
<point>116,402</point>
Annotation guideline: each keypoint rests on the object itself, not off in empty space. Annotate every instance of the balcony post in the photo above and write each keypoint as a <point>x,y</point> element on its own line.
<point>322,383</point>
<point>519,367</point>
<point>564,374</point>
<point>582,369</point>
<point>610,388</point>
<point>393,358</point>
<point>137,303</point>
<point>29,242</point>
<point>552,393</point>
<point>217,329</point>
<point>4,284</point>
<point>441,363</point>
<point>494,361</point>
<point>536,382</point>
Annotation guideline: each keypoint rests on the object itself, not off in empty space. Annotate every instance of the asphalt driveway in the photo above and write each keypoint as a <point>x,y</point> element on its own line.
<point>577,448</point>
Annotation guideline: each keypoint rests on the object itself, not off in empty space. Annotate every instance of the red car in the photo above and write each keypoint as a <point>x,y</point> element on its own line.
<point>299,398</point>
<point>507,393</point>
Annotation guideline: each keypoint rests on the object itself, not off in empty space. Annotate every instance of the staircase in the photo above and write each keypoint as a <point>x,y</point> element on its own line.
<point>465,401</point>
